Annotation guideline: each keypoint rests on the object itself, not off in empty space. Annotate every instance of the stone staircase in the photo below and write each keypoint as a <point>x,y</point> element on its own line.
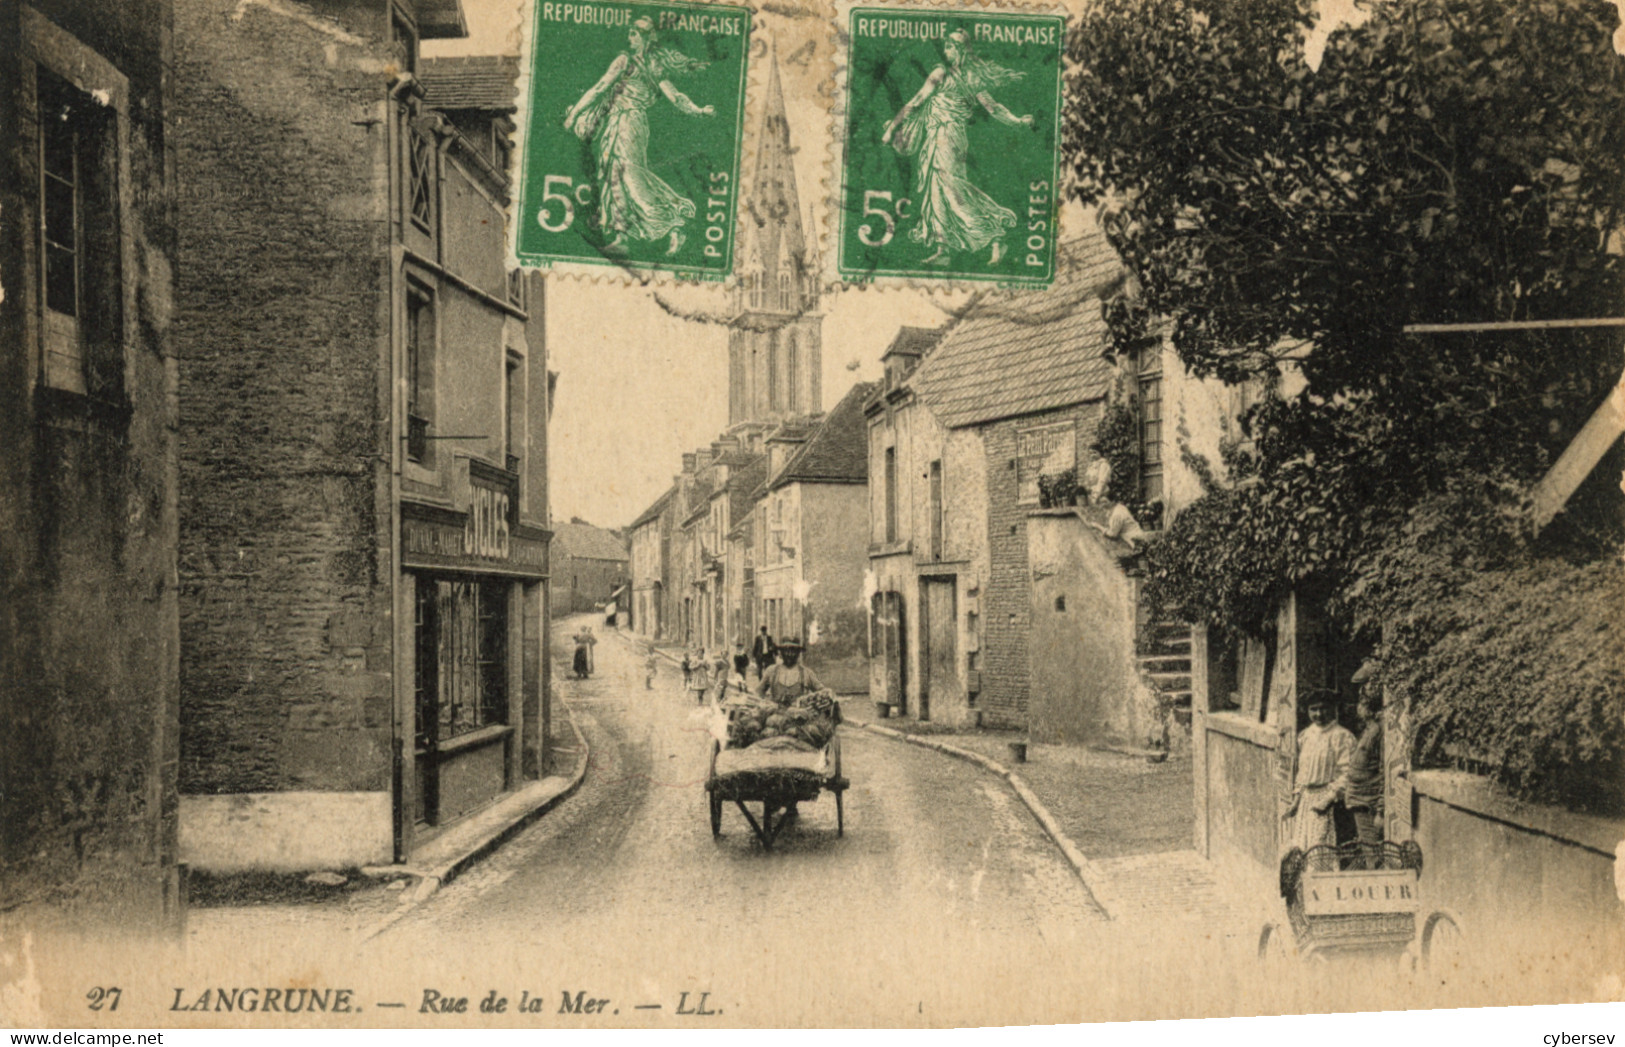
<point>1163,654</point>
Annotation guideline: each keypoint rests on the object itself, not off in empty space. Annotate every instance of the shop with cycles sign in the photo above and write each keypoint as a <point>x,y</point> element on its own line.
<point>484,537</point>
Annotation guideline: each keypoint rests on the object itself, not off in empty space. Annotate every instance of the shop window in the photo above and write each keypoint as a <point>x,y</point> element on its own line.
<point>79,233</point>
<point>462,683</point>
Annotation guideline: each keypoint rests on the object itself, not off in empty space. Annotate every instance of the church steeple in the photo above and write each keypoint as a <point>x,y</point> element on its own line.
<point>775,351</point>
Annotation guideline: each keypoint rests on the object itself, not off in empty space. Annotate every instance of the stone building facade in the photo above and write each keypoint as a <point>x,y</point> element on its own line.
<point>591,566</point>
<point>88,737</point>
<point>811,562</point>
<point>362,546</point>
<point>651,536</point>
<point>954,468</point>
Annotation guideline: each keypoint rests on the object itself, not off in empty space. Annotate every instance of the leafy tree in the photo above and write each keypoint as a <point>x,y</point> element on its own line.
<point>1439,166</point>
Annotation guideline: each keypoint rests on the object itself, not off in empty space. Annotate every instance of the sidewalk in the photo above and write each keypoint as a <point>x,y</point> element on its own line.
<point>357,905</point>
<point>1125,823</point>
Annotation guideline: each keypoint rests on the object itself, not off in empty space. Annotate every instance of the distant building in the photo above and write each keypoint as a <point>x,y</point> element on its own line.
<point>88,724</point>
<point>363,457</point>
<point>650,542</point>
<point>809,524</point>
<point>591,566</point>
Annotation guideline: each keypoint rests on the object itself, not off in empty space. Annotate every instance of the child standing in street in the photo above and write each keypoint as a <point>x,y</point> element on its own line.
<point>699,677</point>
<point>650,666</point>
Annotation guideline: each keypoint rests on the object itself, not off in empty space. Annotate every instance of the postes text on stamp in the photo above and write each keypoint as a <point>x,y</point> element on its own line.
<point>631,143</point>
<point>951,145</point>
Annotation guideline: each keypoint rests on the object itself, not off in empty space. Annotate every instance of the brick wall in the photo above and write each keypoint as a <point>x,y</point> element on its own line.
<point>1007,593</point>
<point>281,153</point>
<point>87,528</point>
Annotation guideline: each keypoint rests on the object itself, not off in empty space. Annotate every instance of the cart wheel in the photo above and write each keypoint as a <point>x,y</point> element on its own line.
<point>1442,943</point>
<point>840,814</point>
<point>1276,948</point>
<point>714,800</point>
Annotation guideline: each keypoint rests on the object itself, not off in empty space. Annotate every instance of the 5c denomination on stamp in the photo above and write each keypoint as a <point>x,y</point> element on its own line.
<point>632,134</point>
<point>951,136</point>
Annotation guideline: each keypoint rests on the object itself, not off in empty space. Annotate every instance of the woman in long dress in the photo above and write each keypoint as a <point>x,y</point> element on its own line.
<point>633,201</point>
<point>954,215</point>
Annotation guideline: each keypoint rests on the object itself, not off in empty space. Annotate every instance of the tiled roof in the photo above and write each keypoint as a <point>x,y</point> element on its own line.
<point>485,82</point>
<point>839,451</point>
<point>1025,352</point>
<point>584,541</point>
<point>913,341</point>
<point>654,510</point>
<point>743,485</point>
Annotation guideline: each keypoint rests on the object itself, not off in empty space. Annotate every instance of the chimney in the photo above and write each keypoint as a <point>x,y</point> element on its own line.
<point>690,460</point>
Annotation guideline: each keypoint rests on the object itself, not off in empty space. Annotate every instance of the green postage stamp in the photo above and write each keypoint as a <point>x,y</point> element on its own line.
<point>631,145</point>
<point>951,135</point>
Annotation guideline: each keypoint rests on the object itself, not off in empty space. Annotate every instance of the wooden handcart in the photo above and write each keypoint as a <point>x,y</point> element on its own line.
<point>1357,900</point>
<point>775,780</point>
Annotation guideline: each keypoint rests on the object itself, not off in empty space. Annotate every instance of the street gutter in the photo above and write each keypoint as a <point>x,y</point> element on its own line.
<point>1095,881</point>
<point>483,833</point>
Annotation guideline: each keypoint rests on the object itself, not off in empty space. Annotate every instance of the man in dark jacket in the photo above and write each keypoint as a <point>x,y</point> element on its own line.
<point>762,652</point>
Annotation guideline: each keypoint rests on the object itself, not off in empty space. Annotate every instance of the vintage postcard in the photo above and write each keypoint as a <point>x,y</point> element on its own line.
<point>626,514</point>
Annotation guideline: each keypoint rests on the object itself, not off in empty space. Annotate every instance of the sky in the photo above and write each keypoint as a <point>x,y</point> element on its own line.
<point>643,371</point>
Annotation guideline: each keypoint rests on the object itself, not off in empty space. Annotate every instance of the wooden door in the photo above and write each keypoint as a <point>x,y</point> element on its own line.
<point>942,661</point>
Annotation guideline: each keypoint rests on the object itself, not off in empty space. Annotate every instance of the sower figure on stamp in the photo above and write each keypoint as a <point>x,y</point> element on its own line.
<point>1321,782</point>
<point>954,215</point>
<point>614,116</point>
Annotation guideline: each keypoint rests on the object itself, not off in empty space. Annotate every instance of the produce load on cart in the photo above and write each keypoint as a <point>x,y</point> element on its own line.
<point>809,720</point>
<point>778,750</point>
